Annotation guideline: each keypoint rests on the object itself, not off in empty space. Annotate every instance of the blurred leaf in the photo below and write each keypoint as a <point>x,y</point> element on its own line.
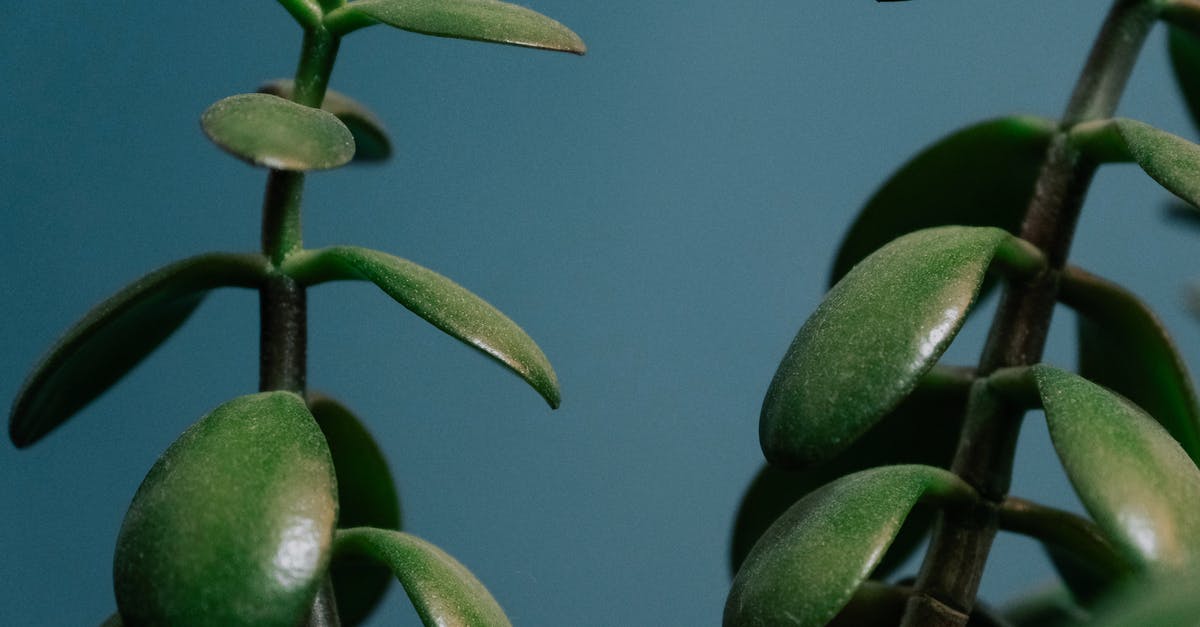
<point>876,333</point>
<point>1184,49</point>
<point>1159,602</point>
<point>807,566</point>
<point>440,301</point>
<point>1125,347</point>
<point>1169,159</point>
<point>366,498</point>
<point>117,334</point>
<point>113,621</point>
<point>923,429</point>
<point>1053,607</point>
<point>442,590</point>
<point>234,523</point>
<point>269,131</point>
<point>371,141</point>
<point>477,20</point>
<point>982,175</point>
<point>1134,479</point>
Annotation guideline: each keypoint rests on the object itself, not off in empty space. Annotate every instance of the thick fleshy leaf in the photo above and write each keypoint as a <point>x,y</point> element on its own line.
<point>1125,347</point>
<point>441,589</point>
<point>923,429</point>
<point>1140,487</point>
<point>117,334</point>
<point>371,142</point>
<point>807,566</point>
<point>1164,602</point>
<point>366,498</point>
<point>982,175</point>
<point>477,20</point>
<point>270,131</point>
<point>1184,49</point>
<point>1169,159</point>
<point>877,332</point>
<point>234,523</point>
<point>442,302</point>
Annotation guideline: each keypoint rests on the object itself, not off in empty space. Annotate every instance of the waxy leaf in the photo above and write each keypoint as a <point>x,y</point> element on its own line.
<point>807,566</point>
<point>1125,347</point>
<point>117,334</point>
<point>269,131</point>
<point>477,20</point>
<point>1184,49</point>
<point>442,302</point>
<point>982,175</point>
<point>234,523</point>
<point>1169,159</point>
<point>366,498</point>
<point>441,589</point>
<point>371,141</point>
<point>877,332</point>
<point>1140,487</point>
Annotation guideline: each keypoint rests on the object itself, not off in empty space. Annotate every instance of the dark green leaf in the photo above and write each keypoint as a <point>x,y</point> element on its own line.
<point>1160,602</point>
<point>234,523</point>
<point>117,334</point>
<point>982,175</point>
<point>371,141</point>
<point>1134,479</point>
<point>269,131</point>
<point>113,621</point>
<point>1169,159</point>
<point>807,566</point>
<point>1053,607</point>
<point>1125,347</point>
<point>1184,49</point>
<point>442,302</point>
<point>877,332</point>
<point>477,20</point>
<point>442,590</point>
<point>366,498</point>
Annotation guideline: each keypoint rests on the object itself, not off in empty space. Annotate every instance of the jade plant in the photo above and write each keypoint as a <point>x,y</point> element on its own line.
<point>873,443</point>
<point>277,508</point>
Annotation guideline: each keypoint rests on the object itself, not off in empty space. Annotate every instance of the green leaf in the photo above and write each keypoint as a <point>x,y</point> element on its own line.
<point>1051,607</point>
<point>442,302</point>
<point>269,131</point>
<point>982,175</point>
<point>442,590</point>
<point>1125,347</point>
<point>113,621</point>
<point>366,498</point>
<point>117,334</point>
<point>476,20</point>
<point>807,566</point>
<point>234,523</point>
<point>371,141</point>
<point>923,429</point>
<point>1169,159</point>
<point>1159,602</point>
<point>1184,49</point>
<point>877,332</point>
<point>1140,487</point>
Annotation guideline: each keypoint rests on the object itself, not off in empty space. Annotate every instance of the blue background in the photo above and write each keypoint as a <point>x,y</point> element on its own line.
<point>660,215</point>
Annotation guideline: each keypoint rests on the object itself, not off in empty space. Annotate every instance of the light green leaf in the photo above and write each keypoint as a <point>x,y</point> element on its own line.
<point>477,20</point>
<point>269,131</point>
<point>807,566</point>
<point>442,302</point>
<point>441,589</point>
<point>1125,347</point>
<point>982,175</point>
<point>877,332</point>
<point>117,334</point>
<point>1169,159</point>
<point>234,523</point>
<point>371,142</point>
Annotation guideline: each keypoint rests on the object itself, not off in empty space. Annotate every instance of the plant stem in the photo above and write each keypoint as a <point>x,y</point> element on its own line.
<point>949,578</point>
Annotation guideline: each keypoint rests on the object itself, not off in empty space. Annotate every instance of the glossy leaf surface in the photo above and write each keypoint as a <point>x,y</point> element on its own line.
<point>441,589</point>
<point>116,335</point>
<point>234,523</point>
<point>442,302</point>
<point>807,566</point>
<point>371,142</point>
<point>982,175</point>
<point>366,498</point>
<point>266,130</point>
<point>1139,486</point>
<point>1125,347</point>
<point>477,20</point>
<point>876,333</point>
<point>1169,159</point>
<point>1184,50</point>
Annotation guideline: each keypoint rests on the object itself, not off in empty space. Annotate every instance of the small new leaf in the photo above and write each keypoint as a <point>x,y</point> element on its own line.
<point>269,131</point>
<point>1169,159</point>
<point>371,142</point>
